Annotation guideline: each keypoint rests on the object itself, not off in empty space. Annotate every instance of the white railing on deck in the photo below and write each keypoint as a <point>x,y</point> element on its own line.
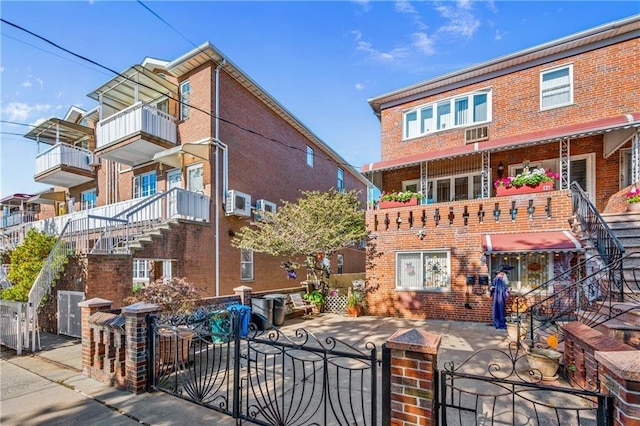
<point>139,117</point>
<point>63,154</point>
<point>123,229</point>
<point>17,218</point>
<point>14,325</point>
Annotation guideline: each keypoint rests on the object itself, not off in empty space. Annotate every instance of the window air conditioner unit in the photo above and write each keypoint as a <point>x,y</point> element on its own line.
<point>476,134</point>
<point>264,206</point>
<point>238,204</point>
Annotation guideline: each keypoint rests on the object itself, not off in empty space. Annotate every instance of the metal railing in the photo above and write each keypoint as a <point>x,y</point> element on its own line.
<point>63,154</point>
<point>124,228</point>
<point>598,232</point>
<point>591,298</point>
<point>17,218</point>
<point>14,325</point>
<point>139,117</point>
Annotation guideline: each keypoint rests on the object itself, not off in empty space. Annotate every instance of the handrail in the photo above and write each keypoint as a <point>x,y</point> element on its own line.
<point>566,301</point>
<point>73,236</point>
<point>598,231</point>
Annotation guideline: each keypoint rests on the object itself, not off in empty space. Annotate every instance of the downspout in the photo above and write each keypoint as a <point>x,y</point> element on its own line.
<point>217,191</point>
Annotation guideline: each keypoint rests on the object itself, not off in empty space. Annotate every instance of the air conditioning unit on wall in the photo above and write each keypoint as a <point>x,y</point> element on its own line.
<point>238,204</point>
<point>476,134</point>
<point>264,206</point>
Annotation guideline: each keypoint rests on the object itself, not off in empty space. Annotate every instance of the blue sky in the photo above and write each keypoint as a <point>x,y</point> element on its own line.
<point>321,60</point>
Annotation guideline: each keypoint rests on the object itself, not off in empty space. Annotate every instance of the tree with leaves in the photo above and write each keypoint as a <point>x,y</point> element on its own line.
<point>316,226</point>
<point>26,261</point>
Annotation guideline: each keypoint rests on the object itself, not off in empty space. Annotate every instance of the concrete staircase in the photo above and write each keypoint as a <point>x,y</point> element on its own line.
<point>150,237</point>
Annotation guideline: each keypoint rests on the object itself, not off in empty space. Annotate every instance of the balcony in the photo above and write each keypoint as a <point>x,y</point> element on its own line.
<point>16,218</point>
<point>133,135</point>
<point>64,165</point>
<point>537,210</point>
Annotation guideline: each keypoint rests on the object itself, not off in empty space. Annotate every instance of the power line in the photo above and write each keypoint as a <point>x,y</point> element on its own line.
<point>17,124</point>
<point>180,102</point>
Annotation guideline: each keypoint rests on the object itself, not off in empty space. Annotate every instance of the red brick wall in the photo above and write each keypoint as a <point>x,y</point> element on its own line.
<point>465,243</point>
<point>73,278</point>
<point>605,85</point>
<point>109,277</point>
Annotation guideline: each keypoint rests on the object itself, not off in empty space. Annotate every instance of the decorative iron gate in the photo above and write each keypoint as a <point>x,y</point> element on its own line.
<point>216,358</point>
<point>497,387</point>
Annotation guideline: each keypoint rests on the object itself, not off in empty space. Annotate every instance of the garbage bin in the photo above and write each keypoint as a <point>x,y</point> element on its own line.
<point>263,307</point>
<point>245,313</point>
<point>278,307</point>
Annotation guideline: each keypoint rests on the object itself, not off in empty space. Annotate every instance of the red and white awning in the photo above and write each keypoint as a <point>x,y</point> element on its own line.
<point>549,241</point>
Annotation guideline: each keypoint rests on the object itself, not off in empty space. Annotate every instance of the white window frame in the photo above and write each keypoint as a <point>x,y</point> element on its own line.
<point>407,184</point>
<point>85,205</point>
<point>248,262</point>
<point>424,125</point>
<point>419,270</point>
<point>185,100</point>
<point>432,184</point>
<point>141,269</point>
<point>137,185</point>
<point>626,162</point>
<point>340,183</point>
<point>309,156</point>
<point>591,181</point>
<point>550,70</point>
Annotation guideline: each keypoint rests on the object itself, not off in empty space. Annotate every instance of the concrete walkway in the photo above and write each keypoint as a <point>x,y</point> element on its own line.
<point>49,388</point>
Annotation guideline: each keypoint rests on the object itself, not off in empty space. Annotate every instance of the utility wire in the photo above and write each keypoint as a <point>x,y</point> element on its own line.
<point>17,124</point>
<point>209,112</point>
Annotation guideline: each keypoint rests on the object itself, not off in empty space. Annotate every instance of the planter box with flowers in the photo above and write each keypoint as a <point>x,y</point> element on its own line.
<point>633,199</point>
<point>538,180</point>
<point>398,199</point>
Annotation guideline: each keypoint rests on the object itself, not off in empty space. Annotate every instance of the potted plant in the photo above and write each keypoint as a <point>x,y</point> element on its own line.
<point>544,361</point>
<point>176,296</point>
<point>316,297</point>
<point>633,199</point>
<point>528,181</point>
<point>398,199</point>
<point>355,300</point>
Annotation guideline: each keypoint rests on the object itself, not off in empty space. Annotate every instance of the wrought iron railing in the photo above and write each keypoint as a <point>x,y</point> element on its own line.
<point>593,298</point>
<point>598,232</point>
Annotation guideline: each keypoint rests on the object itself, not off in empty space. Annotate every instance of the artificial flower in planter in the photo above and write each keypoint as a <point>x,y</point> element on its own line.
<point>396,199</point>
<point>538,178</point>
<point>633,199</point>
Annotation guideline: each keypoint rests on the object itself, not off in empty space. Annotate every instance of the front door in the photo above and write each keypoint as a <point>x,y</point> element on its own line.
<point>174,180</point>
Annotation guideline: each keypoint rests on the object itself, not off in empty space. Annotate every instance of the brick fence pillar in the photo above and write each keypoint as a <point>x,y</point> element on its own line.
<point>620,375</point>
<point>137,328</point>
<point>413,368</point>
<point>245,294</point>
<point>88,308</point>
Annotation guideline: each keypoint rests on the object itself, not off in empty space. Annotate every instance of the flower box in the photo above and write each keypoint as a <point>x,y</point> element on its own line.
<point>393,204</point>
<point>502,191</point>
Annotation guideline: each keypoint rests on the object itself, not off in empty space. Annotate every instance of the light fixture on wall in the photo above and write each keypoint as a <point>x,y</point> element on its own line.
<point>500,170</point>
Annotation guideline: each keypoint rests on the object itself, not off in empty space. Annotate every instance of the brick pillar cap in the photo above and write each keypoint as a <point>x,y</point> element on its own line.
<point>140,308</point>
<point>243,288</point>
<point>96,302</point>
<point>623,364</point>
<point>415,341</point>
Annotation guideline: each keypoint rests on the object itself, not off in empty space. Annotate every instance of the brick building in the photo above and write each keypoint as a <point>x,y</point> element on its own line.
<point>175,158</point>
<point>570,106</point>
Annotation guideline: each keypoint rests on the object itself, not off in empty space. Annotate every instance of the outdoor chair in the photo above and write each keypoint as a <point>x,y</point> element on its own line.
<point>300,304</point>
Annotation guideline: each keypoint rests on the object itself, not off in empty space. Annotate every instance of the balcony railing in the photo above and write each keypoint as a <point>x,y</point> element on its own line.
<point>64,155</point>
<point>17,218</point>
<point>139,117</point>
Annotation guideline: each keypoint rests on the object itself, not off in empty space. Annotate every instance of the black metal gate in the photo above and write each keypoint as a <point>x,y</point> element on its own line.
<point>218,359</point>
<point>497,387</point>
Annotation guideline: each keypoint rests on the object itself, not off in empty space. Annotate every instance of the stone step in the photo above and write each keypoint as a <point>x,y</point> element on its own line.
<point>631,310</point>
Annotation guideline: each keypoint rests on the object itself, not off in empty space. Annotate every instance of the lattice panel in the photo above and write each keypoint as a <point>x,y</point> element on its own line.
<point>336,304</point>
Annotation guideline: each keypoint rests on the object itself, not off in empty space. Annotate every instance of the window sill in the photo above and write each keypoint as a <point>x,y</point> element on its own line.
<point>549,108</point>
<point>424,290</point>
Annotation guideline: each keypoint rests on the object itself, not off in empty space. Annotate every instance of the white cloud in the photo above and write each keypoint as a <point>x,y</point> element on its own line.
<point>26,84</point>
<point>500,34</point>
<point>423,43</point>
<point>19,111</point>
<point>403,6</point>
<point>460,19</point>
<point>40,82</point>
<point>359,86</point>
<point>38,122</point>
<point>59,94</point>
<point>364,4</point>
